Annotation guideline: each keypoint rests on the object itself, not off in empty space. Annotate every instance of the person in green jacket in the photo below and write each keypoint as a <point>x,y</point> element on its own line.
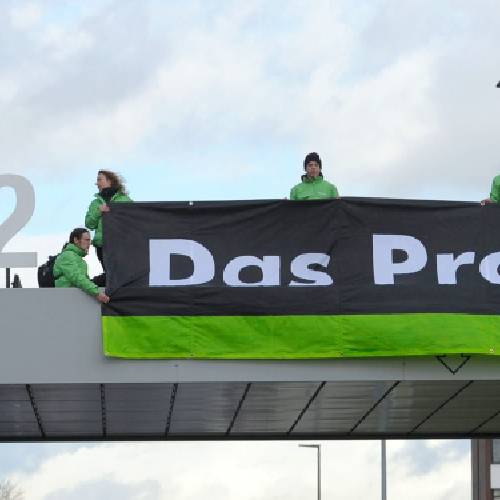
<point>111,188</point>
<point>313,186</point>
<point>70,270</point>
<point>494,192</point>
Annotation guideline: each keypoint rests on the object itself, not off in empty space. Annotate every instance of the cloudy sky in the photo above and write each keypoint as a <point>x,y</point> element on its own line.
<point>434,470</point>
<point>199,100</point>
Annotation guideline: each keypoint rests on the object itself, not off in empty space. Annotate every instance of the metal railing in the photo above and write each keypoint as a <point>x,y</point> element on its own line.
<point>16,282</point>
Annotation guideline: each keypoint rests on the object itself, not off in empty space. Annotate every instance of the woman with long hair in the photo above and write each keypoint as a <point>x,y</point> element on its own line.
<point>111,189</point>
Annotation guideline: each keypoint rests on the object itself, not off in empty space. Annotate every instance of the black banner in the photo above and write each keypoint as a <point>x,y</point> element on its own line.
<point>346,256</point>
<point>312,279</point>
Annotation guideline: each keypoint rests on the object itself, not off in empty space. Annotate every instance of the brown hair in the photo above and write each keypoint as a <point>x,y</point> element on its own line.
<point>77,233</point>
<point>117,182</point>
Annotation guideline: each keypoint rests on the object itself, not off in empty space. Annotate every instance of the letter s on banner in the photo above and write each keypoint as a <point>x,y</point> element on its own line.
<point>384,268</point>
<point>300,269</point>
<point>160,252</point>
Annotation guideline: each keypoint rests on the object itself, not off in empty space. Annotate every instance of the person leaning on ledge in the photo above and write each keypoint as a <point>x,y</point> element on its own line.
<point>313,186</point>
<point>70,270</point>
<point>494,192</point>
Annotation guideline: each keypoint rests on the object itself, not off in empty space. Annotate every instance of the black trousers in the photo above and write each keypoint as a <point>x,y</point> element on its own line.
<point>98,251</point>
<point>100,280</point>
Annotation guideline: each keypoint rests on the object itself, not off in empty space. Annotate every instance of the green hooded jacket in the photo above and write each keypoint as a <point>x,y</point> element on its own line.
<point>70,270</point>
<point>93,218</point>
<point>313,188</point>
<point>495,189</point>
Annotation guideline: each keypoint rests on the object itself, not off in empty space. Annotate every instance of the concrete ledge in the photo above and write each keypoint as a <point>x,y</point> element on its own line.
<point>54,336</point>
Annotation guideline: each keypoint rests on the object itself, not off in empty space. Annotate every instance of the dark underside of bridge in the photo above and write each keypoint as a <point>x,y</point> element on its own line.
<point>239,411</point>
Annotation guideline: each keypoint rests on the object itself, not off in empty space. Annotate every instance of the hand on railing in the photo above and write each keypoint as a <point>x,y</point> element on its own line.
<point>102,298</point>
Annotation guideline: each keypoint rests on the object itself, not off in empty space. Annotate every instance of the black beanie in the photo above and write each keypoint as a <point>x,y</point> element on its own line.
<point>312,157</point>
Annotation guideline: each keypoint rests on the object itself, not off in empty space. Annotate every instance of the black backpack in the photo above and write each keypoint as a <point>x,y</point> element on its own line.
<point>46,273</point>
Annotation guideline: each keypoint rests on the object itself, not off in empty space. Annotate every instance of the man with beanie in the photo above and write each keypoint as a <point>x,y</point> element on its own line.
<point>313,186</point>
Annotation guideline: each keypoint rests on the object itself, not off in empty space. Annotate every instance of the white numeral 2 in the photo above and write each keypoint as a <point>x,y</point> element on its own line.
<point>25,206</point>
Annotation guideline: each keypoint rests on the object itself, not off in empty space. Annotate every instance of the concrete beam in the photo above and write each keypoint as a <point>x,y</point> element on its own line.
<point>54,336</point>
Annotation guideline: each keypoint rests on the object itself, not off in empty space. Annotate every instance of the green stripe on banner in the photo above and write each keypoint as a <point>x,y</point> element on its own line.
<point>300,337</point>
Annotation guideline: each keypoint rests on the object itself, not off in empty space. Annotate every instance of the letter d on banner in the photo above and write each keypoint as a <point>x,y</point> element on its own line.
<point>160,253</point>
<point>384,267</point>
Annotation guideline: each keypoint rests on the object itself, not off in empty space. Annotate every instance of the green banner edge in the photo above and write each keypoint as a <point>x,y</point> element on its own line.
<point>300,337</point>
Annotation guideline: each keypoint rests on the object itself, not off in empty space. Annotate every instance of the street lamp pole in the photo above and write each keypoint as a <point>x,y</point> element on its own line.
<point>318,449</point>
<point>384,471</point>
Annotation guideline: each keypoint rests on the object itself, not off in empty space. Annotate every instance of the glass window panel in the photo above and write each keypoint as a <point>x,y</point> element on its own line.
<point>496,451</point>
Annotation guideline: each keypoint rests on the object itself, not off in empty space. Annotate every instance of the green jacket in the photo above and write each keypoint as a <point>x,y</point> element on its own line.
<point>70,270</point>
<point>315,188</point>
<point>93,218</point>
<point>495,189</point>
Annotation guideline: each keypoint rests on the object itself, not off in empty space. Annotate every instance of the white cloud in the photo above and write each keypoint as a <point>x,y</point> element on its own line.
<point>25,16</point>
<point>61,43</point>
<point>8,89</point>
<point>243,470</point>
<point>448,476</point>
<point>371,127</point>
<point>384,98</point>
<point>209,81</point>
<point>437,443</point>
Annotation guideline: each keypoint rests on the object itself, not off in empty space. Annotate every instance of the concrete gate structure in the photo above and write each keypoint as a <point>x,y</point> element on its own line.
<point>55,384</point>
